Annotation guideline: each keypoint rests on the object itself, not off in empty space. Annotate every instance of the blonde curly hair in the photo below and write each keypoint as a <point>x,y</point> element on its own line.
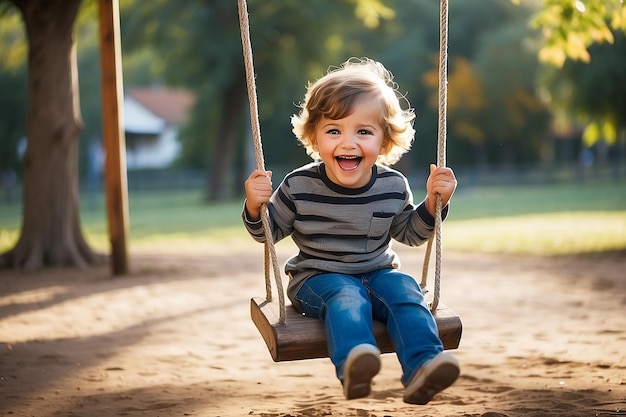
<point>337,94</point>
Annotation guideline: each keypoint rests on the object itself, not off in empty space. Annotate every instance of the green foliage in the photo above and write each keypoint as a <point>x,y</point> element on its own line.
<point>507,67</point>
<point>471,19</point>
<point>14,48</point>
<point>493,112</point>
<point>571,27</point>
<point>13,53</point>
<point>593,93</point>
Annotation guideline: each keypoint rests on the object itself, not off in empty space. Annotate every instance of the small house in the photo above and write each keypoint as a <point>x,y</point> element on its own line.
<point>152,120</point>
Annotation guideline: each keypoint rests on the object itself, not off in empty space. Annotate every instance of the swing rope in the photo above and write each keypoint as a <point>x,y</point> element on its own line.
<point>270,250</point>
<point>270,258</point>
<point>441,155</point>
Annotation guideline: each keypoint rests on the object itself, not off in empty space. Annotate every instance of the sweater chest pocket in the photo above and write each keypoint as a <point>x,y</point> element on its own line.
<point>380,223</point>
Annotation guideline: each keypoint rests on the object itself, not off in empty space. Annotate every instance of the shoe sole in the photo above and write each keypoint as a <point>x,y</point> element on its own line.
<point>359,379</point>
<point>430,383</point>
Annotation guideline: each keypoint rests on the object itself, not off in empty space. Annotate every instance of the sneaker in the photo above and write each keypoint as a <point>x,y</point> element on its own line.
<point>362,365</point>
<point>434,376</point>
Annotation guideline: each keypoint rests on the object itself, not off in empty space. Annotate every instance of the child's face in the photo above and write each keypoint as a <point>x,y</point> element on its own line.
<point>349,147</point>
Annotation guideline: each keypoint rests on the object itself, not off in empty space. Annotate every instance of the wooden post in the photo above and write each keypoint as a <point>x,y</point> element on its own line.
<point>113,132</point>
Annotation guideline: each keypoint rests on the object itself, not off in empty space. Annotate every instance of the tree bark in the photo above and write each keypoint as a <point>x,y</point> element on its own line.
<point>225,143</point>
<point>51,233</point>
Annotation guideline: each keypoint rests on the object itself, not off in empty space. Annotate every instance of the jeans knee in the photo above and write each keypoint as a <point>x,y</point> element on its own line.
<point>347,297</point>
<point>333,292</point>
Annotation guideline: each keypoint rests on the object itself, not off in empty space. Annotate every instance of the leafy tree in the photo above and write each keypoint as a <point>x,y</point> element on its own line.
<point>593,92</point>
<point>471,19</point>
<point>578,33</point>
<point>493,114</point>
<point>517,120</point>
<point>571,27</point>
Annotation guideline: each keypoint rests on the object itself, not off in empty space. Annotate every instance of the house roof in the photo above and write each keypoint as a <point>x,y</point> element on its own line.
<point>171,105</point>
<point>138,119</point>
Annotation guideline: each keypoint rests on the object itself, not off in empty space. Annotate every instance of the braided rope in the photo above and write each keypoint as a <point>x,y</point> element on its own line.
<point>270,250</point>
<point>441,154</point>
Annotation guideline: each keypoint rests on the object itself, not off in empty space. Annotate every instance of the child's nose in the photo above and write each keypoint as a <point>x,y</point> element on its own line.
<point>348,141</point>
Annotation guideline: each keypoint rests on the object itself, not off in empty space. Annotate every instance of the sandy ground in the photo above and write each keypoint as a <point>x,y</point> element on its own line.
<point>542,337</point>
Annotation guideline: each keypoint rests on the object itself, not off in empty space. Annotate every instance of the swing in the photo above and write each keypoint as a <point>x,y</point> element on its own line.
<point>290,335</point>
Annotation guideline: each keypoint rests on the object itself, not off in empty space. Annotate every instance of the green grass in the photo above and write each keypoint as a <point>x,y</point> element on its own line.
<point>541,219</point>
<point>561,219</point>
<point>563,233</point>
<point>506,201</point>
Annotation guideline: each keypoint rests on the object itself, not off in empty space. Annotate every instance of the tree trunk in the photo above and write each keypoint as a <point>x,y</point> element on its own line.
<point>51,233</point>
<point>224,145</point>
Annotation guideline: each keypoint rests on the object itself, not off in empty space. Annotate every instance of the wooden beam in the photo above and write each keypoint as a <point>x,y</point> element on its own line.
<point>113,133</point>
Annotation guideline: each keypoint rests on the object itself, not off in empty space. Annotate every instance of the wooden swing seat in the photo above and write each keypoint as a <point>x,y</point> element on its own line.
<point>304,338</point>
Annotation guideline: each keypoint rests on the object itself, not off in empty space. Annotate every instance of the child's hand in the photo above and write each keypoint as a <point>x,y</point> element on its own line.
<point>440,181</point>
<point>258,191</point>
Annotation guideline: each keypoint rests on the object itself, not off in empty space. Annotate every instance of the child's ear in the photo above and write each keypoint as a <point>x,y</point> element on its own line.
<point>385,147</point>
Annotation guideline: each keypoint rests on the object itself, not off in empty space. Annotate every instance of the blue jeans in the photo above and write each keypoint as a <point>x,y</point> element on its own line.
<point>348,303</point>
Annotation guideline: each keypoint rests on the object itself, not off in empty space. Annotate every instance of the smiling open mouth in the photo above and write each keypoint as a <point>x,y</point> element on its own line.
<point>348,163</point>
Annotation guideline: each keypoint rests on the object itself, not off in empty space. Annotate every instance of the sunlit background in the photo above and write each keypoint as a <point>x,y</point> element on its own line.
<point>535,121</point>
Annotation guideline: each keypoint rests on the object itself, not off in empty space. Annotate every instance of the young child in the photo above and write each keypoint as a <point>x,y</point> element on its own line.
<point>342,212</point>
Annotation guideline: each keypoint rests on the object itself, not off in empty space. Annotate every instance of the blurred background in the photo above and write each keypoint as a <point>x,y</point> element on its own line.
<point>513,119</point>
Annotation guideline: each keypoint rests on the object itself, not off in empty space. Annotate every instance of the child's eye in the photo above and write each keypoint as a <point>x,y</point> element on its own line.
<point>365,132</point>
<point>332,131</point>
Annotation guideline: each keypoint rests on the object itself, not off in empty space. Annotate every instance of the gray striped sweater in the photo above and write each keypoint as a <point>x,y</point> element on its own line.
<point>339,229</point>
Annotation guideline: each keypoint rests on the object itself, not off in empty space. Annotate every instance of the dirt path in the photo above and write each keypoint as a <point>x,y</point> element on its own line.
<point>542,337</point>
